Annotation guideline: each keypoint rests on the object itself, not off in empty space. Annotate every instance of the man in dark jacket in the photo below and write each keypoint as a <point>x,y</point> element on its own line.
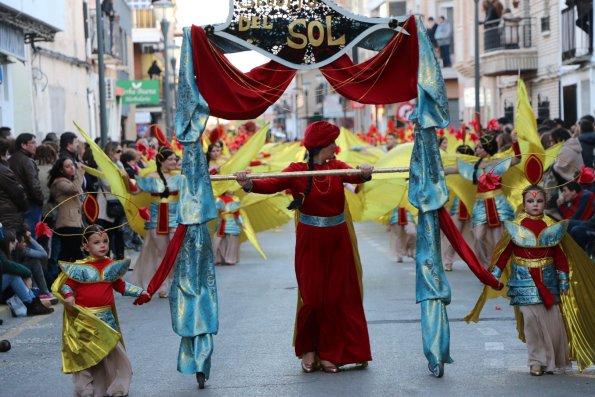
<point>587,140</point>
<point>22,164</point>
<point>69,147</point>
<point>432,26</point>
<point>13,201</point>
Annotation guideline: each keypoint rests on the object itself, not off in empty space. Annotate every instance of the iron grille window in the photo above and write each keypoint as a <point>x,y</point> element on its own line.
<point>508,111</point>
<point>543,108</point>
<point>545,24</point>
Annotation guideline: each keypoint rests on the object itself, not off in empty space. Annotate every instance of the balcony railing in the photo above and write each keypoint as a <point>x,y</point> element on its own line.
<point>508,47</point>
<point>577,36</point>
<point>114,38</point>
<point>143,18</point>
<point>507,34</point>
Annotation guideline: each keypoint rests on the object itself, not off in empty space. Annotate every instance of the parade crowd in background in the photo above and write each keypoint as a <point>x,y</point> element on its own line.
<point>38,176</point>
<point>45,189</point>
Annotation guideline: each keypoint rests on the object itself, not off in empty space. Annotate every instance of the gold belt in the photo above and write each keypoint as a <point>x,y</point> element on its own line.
<point>490,194</point>
<point>99,309</point>
<point>170,199</point>
<point>533,263</point>
<point>227,215</point>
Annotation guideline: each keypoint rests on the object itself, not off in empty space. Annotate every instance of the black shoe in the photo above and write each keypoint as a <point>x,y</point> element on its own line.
<point>35,307</point>
<point>200,378</point>
<point>4,346</point>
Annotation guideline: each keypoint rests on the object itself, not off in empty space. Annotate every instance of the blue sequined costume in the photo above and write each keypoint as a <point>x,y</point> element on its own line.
<point>503,207</point>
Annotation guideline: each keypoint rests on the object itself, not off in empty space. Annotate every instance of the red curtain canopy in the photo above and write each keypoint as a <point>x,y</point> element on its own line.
<point>230,93</point>
<point>389,77</point>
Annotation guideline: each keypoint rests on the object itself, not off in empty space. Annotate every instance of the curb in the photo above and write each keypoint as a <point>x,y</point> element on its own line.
<point>4,311</point>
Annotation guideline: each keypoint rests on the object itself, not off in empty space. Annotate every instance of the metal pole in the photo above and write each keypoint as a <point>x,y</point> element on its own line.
<point>166,87</point>
<point>477,76</point>
<point>101,70</point>
<point>297,120</point>
<point>293,174</point>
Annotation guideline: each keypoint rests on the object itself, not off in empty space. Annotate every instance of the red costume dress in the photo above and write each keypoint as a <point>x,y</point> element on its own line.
<point>92,348</point>
<point>331,319</point>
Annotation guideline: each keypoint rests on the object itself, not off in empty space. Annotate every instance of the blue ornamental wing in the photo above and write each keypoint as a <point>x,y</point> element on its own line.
<point>520,235</point>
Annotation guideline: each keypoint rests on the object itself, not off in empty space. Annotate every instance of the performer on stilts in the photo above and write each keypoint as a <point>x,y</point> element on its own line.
<point>193,292</point>
<point>92,344</point>
<point>331,329</point>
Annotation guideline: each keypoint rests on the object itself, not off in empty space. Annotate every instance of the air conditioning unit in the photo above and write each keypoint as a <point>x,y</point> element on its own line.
<point>110,89</point>
<point>148,48</point>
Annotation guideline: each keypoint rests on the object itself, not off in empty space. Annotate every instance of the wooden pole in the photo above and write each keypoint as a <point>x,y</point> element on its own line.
<point>353,171</point>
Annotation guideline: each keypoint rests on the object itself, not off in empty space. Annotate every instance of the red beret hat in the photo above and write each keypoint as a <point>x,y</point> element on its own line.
<point>320,134</point>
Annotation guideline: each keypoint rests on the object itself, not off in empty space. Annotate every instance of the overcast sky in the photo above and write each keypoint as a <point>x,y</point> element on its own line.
<point>206,12</point>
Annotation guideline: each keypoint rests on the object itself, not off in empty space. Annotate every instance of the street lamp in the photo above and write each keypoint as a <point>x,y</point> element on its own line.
<point>101,75</point>
<point>477,76</point>
<point>305,87</point>
<point>163,11</point>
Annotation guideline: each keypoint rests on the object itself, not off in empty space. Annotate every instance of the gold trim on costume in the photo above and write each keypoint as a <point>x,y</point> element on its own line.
<point>227,215</point>
<point>170,199</point>
<point>99,309</point>
<point>490,194</point>
<point>533,263</point>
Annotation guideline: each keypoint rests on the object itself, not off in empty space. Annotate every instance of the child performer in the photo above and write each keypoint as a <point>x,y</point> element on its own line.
<point>226,243</point>
<point>547,277</point>
<point>92,344</point>
<point>538,275</point>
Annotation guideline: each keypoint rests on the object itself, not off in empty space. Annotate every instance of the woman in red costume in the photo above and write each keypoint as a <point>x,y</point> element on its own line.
<point>331,328</point>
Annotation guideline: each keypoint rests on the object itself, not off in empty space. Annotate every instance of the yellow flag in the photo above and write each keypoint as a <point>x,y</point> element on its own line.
<point>118,182</point>
<point>240,160</point>
<point>515,181</point>
<point>525,125</point>
<point>355,151</point>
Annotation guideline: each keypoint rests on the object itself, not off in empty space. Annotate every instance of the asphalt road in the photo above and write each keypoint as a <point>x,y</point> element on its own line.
<point>253,353</point>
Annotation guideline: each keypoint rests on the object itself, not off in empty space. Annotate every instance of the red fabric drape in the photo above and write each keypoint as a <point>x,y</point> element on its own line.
<point>230,93</point>
<point>166,264</point>
<point>389,77</point>
<point>463,213</point>
<point>462,248</point>
<point>492,212</point>
<point>546,296</point>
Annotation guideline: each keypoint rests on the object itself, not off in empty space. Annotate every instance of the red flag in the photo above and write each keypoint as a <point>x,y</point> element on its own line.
<point>477,123</point>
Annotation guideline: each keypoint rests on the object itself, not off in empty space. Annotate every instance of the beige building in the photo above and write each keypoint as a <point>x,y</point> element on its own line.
<point>53,81</point>
<point>119,65</point>
<point>538,40</point>
<point>24,79</point>
<point>149,45</point>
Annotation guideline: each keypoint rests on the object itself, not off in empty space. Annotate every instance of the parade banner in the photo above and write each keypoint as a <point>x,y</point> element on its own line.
<point>299,34</point>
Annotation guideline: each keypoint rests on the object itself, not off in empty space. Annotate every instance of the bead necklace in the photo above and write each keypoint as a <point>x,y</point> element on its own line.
<point>328,186</point>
